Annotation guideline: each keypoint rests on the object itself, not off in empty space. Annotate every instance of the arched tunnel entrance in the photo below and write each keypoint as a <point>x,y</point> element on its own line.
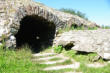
<point>36,32</point>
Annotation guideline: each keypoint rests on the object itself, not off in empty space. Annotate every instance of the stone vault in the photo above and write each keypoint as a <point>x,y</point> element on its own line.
<point>25,21</point>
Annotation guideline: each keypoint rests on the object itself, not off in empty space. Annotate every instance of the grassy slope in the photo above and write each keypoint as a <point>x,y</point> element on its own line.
<point>19,61</point>
<point>15,61</point>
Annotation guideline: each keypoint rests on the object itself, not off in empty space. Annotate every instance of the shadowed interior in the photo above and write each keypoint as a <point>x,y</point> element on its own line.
<point>35,31</point>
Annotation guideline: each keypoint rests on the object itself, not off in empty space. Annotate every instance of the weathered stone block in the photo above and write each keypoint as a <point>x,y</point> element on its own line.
<point>87,41</point>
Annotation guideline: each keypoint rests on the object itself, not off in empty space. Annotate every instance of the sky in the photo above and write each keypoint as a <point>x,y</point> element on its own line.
<point>96,10</point>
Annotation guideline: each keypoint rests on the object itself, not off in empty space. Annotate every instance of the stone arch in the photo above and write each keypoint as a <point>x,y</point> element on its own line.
<point>36,10</point>
<point>35,14</point>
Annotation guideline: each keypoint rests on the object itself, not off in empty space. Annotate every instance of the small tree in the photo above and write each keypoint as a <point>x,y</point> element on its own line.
<point>74,12</point>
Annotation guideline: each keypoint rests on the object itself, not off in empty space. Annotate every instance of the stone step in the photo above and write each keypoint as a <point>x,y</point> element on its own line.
<point>73,72</point>
<point>53,62</point>
<point>43,54</point>
<point>96,65</point>
<point>47,58</point>
<point>73,66</point>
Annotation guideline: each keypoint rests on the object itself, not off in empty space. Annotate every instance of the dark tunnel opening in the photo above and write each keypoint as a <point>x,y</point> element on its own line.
<point>35,31</point>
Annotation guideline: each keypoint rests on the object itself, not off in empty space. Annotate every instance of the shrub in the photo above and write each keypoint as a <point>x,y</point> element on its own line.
<point>74,12</point>
<point>58,49</point>
<point>3,43</point>
<point>105,27</point>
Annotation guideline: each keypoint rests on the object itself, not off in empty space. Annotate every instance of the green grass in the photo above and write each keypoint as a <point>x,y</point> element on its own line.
<point>67,62</point>
<point>82,57</point>
<point>55,59</point>
<point>15,61</point>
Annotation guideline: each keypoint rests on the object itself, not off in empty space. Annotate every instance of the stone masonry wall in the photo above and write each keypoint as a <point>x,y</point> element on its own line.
<point>12,12</point>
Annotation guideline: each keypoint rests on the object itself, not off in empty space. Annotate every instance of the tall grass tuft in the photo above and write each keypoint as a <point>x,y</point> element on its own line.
<point>15,61</point>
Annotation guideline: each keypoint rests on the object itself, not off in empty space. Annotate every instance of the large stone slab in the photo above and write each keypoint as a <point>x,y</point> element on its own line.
<point>87,41</point>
